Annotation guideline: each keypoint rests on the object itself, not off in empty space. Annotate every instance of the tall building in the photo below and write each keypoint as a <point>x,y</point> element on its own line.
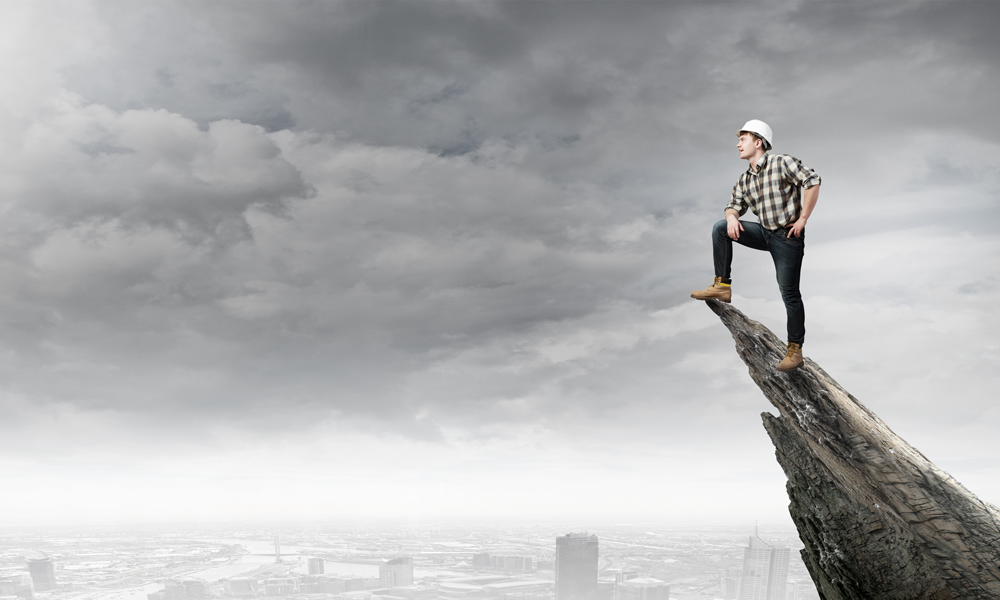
<point>765,571</point>
<point>316,566</point>
<point>576,567</point>
<point>642,588</point>
<point>620,577</point>
<point>195,589</point>
<point>481,560</point>
<point>17,584</point>
<point>396,573</point>
<point>181,589</point>
<point>730,588</point>
<point>279,586</point>
<point>241,586</point>
<point>43,573</point>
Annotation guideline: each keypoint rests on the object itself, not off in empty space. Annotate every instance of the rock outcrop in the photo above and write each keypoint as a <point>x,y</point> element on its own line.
<point>879,521</point>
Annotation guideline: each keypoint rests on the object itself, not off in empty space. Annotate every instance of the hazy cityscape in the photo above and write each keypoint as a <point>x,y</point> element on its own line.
<point>389,562</point>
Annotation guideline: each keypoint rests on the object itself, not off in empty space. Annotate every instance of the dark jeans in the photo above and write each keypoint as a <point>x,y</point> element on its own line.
<point>787,255</point>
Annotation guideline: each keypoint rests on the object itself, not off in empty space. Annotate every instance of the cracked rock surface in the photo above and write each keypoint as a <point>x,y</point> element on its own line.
<point>878,519</point>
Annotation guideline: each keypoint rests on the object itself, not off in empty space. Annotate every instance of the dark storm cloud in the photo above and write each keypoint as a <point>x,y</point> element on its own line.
<point>885,66</point>
<point>449,75</point>
<point>161,56</point>
<point>429,74</point>
<point>562,59</point>
<point>346,45</point>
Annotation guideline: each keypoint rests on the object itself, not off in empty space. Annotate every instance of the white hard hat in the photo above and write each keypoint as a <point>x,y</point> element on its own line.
<point>760,128</point>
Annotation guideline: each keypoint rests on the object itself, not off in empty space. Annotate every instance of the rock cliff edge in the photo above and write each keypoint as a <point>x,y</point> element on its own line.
<point>878,520</point>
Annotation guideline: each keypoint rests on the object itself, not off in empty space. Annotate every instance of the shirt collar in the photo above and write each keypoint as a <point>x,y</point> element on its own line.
<point>754,169</point>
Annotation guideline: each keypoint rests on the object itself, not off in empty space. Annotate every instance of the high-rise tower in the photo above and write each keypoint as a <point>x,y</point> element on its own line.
<point>43,573</point>
<point>576,567</point>
<point>316,565</point>
<point>396,573</point>
<point>765,571</point>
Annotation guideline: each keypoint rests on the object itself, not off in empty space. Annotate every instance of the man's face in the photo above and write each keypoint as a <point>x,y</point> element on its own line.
<point>747,145</point>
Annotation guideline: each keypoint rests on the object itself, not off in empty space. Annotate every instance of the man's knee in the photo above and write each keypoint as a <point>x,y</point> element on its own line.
<point>721,228</point>
<point>790,294</point>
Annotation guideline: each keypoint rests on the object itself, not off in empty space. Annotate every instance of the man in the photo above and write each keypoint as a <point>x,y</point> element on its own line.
<point>782,193</point>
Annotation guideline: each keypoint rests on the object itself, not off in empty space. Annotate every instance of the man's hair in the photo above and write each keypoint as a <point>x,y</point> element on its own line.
<point>763,142</point>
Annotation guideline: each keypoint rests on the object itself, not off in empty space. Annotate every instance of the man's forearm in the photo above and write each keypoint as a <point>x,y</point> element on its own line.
<point>809,198</point>
<point>732,211</point>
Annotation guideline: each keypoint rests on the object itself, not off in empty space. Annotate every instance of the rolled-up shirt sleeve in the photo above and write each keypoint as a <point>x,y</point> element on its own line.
<point>802,175</point>
<point>737,202</point>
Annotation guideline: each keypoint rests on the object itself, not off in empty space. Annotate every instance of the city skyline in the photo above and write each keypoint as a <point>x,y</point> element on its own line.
<point>365,562</point>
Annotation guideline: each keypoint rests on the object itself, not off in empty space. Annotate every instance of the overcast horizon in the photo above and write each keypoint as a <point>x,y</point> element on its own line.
<point>430,260</point>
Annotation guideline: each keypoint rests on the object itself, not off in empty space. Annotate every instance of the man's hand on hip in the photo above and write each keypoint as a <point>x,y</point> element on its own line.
<point>733,226</point>
<point>796,229</point>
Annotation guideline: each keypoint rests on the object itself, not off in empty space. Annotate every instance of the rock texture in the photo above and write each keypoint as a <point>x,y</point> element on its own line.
<point>878,520</point>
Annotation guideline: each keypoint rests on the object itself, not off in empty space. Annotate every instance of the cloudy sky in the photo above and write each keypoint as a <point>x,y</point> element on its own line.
<point>432,259</point>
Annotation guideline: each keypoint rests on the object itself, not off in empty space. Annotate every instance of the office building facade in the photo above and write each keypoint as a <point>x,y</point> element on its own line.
<point>642,588</point>
<point>396,573</point>
<point>729,587</point>
<point>43,574</point>
<point>765,571</point>
<point>316,566</point>
<point>17,584</point>
<point>576,567</point>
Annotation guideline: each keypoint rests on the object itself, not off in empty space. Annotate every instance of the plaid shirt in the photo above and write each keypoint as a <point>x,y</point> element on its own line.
<point>774,191</point>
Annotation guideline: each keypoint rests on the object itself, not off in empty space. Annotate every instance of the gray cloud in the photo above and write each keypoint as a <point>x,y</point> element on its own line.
<point>468,230</point>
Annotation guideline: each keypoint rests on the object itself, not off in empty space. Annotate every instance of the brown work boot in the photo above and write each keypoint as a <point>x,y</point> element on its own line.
<point>793,358</point>
<point>718,291</point>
